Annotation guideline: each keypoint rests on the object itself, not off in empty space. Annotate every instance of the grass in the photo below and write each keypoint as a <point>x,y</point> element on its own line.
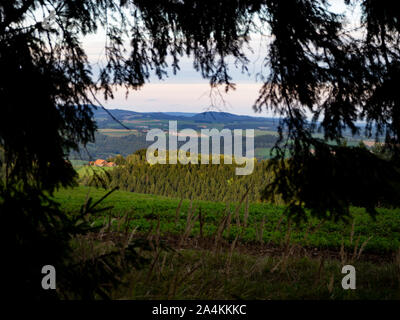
<point>265,223</point>
<point>200,274</point>
<point>208,250</point>
<point>118,132</point>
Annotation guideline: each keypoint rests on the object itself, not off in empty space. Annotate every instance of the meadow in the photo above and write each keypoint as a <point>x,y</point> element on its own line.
<point>85,170</point>
<point>260,223</point>
<point>216,250</point>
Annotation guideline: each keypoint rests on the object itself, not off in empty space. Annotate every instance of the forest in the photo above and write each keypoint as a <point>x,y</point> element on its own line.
<point>106,145</point>
<point>212,182</point>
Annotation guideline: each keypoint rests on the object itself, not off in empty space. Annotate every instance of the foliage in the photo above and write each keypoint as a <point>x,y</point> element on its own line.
<point>200,181</point>
<point>353,176</point>
<point>49,239</point>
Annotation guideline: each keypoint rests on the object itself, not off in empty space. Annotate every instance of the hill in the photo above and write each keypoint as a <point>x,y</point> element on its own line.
<point>140,120</point>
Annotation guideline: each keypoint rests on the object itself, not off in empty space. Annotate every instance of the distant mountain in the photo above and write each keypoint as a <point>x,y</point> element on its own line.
<point>100,113</point>
<point>127,117</point>
<point>104,119</point>
<point>135,120</point>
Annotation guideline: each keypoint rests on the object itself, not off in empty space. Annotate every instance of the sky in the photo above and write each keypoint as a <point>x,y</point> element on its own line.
<point>188,91</point>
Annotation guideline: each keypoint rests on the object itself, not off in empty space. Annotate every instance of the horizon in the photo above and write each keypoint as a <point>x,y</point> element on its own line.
<point>255,115</point>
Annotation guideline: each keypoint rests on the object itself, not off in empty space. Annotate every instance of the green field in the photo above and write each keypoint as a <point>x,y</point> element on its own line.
<point>117,132</point>
<point>78,163</point>
<point>266,223</point>
<point>88,170</point>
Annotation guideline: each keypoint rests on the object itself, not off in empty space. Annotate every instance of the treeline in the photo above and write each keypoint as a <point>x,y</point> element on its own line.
<point>214,182</point>
<point>108,146</point>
